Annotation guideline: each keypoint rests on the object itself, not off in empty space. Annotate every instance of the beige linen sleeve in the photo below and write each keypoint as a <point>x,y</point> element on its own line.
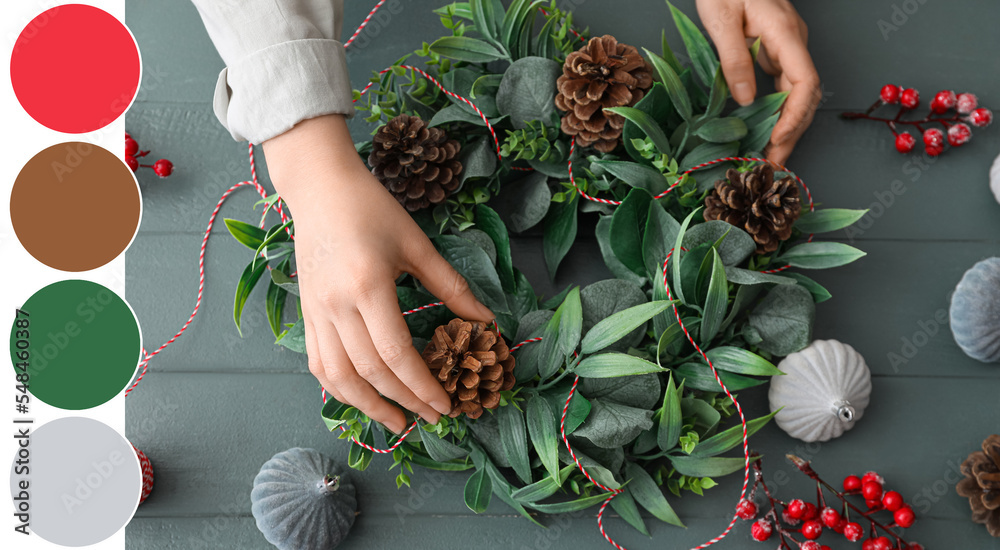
<point>284,63</point>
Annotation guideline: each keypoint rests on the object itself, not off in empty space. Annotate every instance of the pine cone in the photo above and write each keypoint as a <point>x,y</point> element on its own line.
<point>754,201</point>
<point>982,484</point>
<point>599,75</point>
<point>472,363</point>
<point>415,163</point>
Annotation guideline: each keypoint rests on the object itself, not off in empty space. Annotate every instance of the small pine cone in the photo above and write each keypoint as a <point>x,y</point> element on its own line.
<point>755,202</point>
<point>601,74</point>
<point>417,164</point>
<point>981,484</point>
<point>472,363</point>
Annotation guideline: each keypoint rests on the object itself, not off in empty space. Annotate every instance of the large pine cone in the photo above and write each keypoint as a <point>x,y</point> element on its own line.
<point>472,363</point>
<point>754,201</point>
<point>982,484</point>
<point>599,75</point>
<point>415,163</point>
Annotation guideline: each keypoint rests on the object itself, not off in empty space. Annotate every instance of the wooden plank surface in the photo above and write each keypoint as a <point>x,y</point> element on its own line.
<point>214,407</point>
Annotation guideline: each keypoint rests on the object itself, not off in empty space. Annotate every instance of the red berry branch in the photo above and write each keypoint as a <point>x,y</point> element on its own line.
<point>817,517</point>
<point>162,167</point>
<point>958,132</point>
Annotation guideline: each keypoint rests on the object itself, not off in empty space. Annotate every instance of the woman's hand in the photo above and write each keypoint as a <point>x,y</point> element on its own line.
<point>352,240</point>
<point>736,24</point>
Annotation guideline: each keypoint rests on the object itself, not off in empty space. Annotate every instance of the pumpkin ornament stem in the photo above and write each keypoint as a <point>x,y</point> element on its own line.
<point>331,483</point>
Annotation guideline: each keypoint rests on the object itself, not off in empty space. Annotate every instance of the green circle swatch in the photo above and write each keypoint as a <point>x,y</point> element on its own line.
<point>82,344</point>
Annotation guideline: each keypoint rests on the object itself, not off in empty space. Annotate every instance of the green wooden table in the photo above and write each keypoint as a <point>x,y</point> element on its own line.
<point>214,407</point>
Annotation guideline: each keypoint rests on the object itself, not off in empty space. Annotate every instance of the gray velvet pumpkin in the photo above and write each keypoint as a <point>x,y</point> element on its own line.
<point>975,311</point>
<point>301,502</point>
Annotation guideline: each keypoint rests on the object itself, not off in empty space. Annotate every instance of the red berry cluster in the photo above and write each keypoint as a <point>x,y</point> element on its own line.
<point>809,520</point>
<point>956,131</point>
<point>162,167</point>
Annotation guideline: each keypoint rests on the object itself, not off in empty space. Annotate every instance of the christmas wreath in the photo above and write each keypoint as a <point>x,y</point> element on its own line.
<point>622,387</point>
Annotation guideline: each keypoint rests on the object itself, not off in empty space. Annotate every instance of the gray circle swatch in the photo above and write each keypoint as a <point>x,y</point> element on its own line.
<point>80,482</point>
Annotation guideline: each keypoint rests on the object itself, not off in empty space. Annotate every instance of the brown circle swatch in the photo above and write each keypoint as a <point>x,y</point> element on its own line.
<point>75,206</point>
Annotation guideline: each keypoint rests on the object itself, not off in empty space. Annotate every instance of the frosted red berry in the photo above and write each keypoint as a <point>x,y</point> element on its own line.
<point>933,146</point>
<point>789,519</point>
<point>904,144</point>
<point>872,490</point>
<point>163,168</point>
<point>959,134</point>
<point>943,100</point>
<point>904,516</point>
<point>830,517</point>
<point>810,512</point>
<point>746,510</point>
<point>890,93</point>
<point>812,529</point>
<point>882,543</point>
<point>810,545</point>
<point>853,483</point>
<point>981,117</point>
<point>872,476</point>
<point>909,98</point>
<point>796,509</point>
<point>839,528</point>
<point>892,501</point>
<point>966,103</point>
<point>915,546</point>
<point>761,530</point>
<point>132,162</point>
<point>853,531</point>
<point>131,146</point>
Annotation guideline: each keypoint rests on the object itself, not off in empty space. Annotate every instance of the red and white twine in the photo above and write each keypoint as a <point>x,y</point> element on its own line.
<point>279,209</point>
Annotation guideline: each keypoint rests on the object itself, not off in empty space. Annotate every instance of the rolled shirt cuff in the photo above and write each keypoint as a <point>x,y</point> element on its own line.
<point>268,92</point>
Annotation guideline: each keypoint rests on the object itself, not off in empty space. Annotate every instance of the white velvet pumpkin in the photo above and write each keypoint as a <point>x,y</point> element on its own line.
<point>995,178</point>
<point>975,311</point>
<point>824,391</point>
<point>301,503</point>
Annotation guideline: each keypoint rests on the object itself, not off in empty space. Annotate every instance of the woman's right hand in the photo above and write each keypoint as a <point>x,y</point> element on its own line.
<point>352,241</point>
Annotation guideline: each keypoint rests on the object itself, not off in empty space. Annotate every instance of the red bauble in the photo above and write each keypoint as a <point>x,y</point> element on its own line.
<point>163,168</point>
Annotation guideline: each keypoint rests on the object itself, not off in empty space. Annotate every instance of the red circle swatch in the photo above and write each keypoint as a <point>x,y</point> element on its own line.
<point>75,68</point>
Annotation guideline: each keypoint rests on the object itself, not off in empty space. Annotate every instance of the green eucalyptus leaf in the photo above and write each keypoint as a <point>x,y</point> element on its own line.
<point>728,439</point>
<point>696,466</point>
<point>460,113</point>
<point>603,234</point>
<point>527,91</point>
<point>283,280</point>
<point>716,302</point>
<point>675,88</point>
<point>610,365</point>
<point>596,470</point>
<point>611,425</point>
<point>615,327</point>
<point>571,505</point>
<point>542,427</point>
<point>820,255</point>
<point>249,235</point>
<point>624,505</point>
<point>440,449</point>
<point>294,338</point>
<point>635,175</point>
<point>784,319</point>
<point>820,294</point>
<point>707,152</point>
<point>359,457</point>
<point>734,244</point>
<point>474,265</point>
<point>560,232</point>
<point>722,130</point>
<point>486,430</point>
<point>561,335</point>
<point>544,487</point>
<point>759,136</point>
<point>701,53</point>
<point>646,124</point>
<point>675,263</point>
<point>248,279</point>
<point>742,276</point>
<point>576,413</point>
<point>671,418</point>
<point>489,221</point>
<point>478,491</point>
<point>275,299</point>
<point>656,104</point>
<point>706,417</point>
<point>524,203</point>
<point>648,494</point>
<point>828,219</point>
<point>642,391</point>
<point>487,16</point>
<point>628,224</point>
<point>463,48</point>
<point>697,376</point>
<point>501,487</point>
<point>605,298</point>
<point>657,240</point>
<point>741,361</point>
<point>717,97</point>
<point>761,109</point>
<point>514,438</point>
